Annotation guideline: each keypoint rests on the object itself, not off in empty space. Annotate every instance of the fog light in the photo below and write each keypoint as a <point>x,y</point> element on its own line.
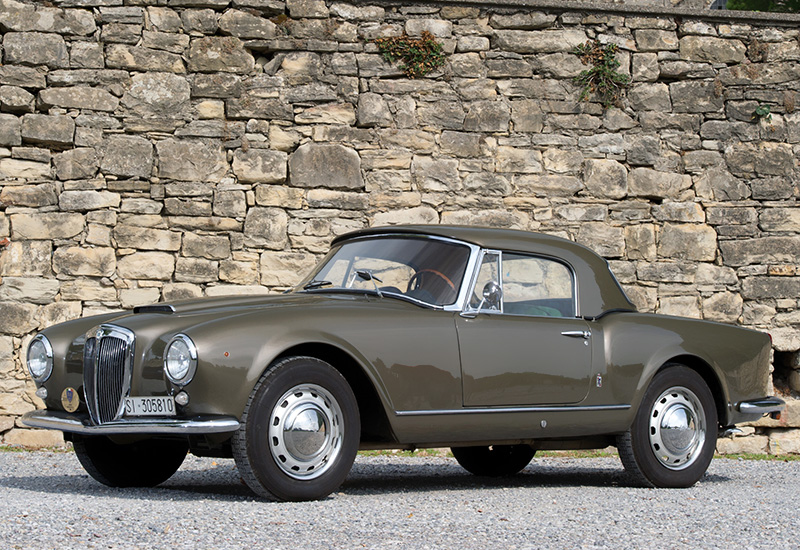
<point>41,393</point>
<point>182,398</point>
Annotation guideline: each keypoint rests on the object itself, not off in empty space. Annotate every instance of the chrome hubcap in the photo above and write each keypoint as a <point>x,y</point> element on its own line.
<point>305,431</point>
<point>677,428</point>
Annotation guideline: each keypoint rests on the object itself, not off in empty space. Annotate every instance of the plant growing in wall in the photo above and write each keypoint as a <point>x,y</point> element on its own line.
<point>764,5</point>
<point>419,56</point>
<point>763,112</point>
<point>602,79</point>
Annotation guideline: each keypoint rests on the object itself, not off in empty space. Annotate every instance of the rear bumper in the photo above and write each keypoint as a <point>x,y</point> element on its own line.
<point>54,420</point>
<point>755,409</point>
<point>765,405</point>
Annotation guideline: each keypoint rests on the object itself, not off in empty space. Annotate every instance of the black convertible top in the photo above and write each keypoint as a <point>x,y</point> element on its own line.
<point>598,290</point>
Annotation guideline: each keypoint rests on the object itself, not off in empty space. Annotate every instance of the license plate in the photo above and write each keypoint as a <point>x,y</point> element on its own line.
<point>150,406</point>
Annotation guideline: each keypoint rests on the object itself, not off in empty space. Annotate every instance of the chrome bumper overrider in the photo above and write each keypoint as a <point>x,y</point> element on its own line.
<point>54,420</point>
<point>765,405</point>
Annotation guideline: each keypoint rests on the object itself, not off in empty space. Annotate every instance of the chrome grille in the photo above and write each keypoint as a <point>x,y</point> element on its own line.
<point>107,371</point>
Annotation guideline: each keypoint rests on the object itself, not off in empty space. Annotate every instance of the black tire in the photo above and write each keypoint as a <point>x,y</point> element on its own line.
<point>280,459</point>
<point>145,463</point>
<point>677,454</point>
<point>494,461</point>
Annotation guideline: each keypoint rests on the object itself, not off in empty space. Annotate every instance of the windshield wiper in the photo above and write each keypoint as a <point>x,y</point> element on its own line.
<point>316,284</point>
<point>366,275</point>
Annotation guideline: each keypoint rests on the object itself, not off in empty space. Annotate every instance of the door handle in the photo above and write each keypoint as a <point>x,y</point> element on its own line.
<point>585,334</point>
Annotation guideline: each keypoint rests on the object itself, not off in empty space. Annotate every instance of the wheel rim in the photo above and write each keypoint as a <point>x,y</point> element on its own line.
<point>305,431</point>
<point>677,428</point>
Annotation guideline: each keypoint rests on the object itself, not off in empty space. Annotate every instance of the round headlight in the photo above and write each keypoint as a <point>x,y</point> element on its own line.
<point>40,358</point>
<point>180,360</point>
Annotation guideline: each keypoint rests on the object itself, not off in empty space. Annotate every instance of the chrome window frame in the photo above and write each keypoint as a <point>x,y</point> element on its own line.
<point>474,281</point>
<point>469,269</point>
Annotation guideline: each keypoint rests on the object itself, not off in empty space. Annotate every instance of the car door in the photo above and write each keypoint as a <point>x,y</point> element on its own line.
<point>520,340</point>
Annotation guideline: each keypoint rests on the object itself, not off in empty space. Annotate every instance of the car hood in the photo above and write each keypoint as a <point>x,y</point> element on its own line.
<point>237,304</point>
<point>152,320</point>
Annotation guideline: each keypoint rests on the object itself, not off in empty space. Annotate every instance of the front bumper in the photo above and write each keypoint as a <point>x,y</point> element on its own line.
<point>54,420</point>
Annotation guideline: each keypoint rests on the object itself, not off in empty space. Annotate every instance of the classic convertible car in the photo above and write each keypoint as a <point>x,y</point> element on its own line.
<point>495,343</point>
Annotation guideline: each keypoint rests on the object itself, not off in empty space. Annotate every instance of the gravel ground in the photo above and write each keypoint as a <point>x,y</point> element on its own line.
<point>402,502</point>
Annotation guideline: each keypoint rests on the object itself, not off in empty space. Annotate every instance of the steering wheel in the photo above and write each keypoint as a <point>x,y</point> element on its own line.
<point>413,280</point>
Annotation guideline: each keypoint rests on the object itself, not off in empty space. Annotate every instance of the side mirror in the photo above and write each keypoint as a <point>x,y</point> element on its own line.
<point>492,293</point>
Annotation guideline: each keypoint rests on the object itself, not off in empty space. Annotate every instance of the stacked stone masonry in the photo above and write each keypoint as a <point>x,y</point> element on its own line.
<point>163,149</point>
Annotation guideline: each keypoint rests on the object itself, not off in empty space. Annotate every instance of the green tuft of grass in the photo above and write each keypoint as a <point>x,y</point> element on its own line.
<point>588,453</point>
<point>443,452</point>
<point>418,56</point>
<point>20,449</point>
<point>760,456</point>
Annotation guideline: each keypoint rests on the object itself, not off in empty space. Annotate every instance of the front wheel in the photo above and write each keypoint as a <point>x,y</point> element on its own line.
<point>144,463</point>
<point>299,433</point>
<point>674,434</point>
<point>495,460</point>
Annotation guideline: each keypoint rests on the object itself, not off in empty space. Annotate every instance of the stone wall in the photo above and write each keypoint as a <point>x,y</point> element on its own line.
<point>162,149</point>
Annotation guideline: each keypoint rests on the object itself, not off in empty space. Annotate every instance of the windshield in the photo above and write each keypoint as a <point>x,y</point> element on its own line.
<point>423,269</point>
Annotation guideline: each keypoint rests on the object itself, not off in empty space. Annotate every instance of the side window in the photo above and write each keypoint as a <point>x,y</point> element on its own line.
<point>537,286</point>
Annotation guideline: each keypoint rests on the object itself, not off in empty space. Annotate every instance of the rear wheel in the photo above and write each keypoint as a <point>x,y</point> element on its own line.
<point>494,460</point>
<point>144,463</point>
<point>299,432</point>
<point>674,434</point>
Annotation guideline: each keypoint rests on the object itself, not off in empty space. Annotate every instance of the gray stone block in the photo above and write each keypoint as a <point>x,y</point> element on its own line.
<point>75,164</point>
<point>138,58</point>
<point>266,227</point>
<point>245,25</point>
<point>260,166</point>
<point>10,130</point>
<point>547,41</point>
<point>191,160</point>
<point>219,54</point>
<point>32,196</point>
<point>331,166</point>
<point>35,48</point>
<point>55,130</point>
<point>158,95</point>
<point>127,156</point>
<point>79,97</point>
<point>76,261</point>
<point>14,99</point>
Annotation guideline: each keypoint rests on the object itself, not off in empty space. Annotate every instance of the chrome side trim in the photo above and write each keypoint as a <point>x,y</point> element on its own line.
<point>554,409</point>
<point>53,420</point>
<point>765,405</point>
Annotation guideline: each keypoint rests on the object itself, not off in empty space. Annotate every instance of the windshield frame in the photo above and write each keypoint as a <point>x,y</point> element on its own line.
<point>456,306</point>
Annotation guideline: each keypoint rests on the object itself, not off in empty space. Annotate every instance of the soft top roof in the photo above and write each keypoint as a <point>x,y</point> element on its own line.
<point>598,290</point>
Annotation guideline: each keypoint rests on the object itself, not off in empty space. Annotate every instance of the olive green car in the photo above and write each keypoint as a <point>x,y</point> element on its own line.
<point>495,343</point>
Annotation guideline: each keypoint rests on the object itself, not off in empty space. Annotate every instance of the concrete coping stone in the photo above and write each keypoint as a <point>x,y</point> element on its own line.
<point>731,16</point>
